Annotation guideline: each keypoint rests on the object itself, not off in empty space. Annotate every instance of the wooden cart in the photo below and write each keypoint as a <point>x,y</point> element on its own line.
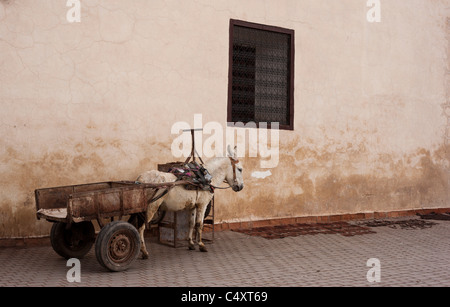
<point>73,208</point>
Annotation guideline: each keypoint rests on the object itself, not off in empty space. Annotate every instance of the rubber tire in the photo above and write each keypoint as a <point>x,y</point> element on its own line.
<point>107,240</point>
<point>73,242</point>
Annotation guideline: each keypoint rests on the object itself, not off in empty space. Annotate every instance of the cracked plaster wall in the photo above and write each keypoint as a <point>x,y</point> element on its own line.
<point>95,101</point>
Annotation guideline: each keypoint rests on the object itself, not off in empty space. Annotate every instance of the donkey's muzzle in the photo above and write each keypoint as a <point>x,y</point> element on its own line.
<point>238,188</point>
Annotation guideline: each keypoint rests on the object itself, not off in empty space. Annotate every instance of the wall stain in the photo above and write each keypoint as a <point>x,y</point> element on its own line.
<point>334,190</point>
<point>92,161</point>
<point>306,182</point>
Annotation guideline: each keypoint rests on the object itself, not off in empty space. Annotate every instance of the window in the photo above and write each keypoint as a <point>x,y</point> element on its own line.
<point>261,74</point>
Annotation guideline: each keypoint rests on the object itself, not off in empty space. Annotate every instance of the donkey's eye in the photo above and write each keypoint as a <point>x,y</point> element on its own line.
<point>240,170</point>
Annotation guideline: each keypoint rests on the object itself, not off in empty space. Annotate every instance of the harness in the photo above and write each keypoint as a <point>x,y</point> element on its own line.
<point>198,177</point>
<point>195,174</point>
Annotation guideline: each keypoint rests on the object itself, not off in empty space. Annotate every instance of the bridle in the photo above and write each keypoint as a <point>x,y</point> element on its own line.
<point>233,164</point>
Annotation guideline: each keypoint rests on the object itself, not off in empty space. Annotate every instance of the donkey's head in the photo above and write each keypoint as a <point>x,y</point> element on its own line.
<point>234,174</point>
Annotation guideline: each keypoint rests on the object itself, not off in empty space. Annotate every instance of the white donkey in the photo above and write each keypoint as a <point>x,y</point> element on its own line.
<point>222,169</point>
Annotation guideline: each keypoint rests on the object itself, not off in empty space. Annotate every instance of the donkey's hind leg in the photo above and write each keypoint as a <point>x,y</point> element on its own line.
<point>192,214</point>
<point>151,210</point>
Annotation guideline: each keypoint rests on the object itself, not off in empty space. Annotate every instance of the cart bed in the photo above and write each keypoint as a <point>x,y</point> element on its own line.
<point>78,203</point>
<point>59,215</point>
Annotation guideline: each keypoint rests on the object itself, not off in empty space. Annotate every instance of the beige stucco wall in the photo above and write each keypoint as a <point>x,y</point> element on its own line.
<point>95,101</point>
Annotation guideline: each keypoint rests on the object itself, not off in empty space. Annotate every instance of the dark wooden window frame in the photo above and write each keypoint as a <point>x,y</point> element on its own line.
<point>234,22</point>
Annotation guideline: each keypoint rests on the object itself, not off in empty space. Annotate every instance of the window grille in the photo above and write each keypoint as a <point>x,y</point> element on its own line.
<point>261,74</point>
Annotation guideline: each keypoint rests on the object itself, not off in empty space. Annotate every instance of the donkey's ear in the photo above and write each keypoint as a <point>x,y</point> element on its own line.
<point>230,151</point>
<point>235,153</point>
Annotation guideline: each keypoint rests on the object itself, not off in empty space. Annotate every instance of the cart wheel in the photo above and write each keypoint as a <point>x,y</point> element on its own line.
<point>117,246</point>
<point>72,241</point>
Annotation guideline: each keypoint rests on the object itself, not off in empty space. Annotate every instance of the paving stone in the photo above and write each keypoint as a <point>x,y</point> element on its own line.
<point>408,257</point>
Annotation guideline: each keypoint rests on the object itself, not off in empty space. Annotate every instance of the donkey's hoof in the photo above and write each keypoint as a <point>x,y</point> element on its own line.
<point>191,246</point>
<point>202,248</point>
<point>144,256</point>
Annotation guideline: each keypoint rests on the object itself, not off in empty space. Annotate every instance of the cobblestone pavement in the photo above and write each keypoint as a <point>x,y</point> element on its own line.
<point>408,257</point>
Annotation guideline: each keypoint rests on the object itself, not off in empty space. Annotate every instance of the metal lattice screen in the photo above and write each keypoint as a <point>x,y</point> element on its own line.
<point>260,76</point>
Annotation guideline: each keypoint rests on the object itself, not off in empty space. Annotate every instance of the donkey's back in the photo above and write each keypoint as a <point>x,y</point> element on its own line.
<point>155,176</point>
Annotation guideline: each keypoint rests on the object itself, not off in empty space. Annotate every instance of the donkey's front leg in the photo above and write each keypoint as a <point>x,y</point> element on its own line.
<point>199,228</point>
<point>191,244</point>
<point>143,248</point>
